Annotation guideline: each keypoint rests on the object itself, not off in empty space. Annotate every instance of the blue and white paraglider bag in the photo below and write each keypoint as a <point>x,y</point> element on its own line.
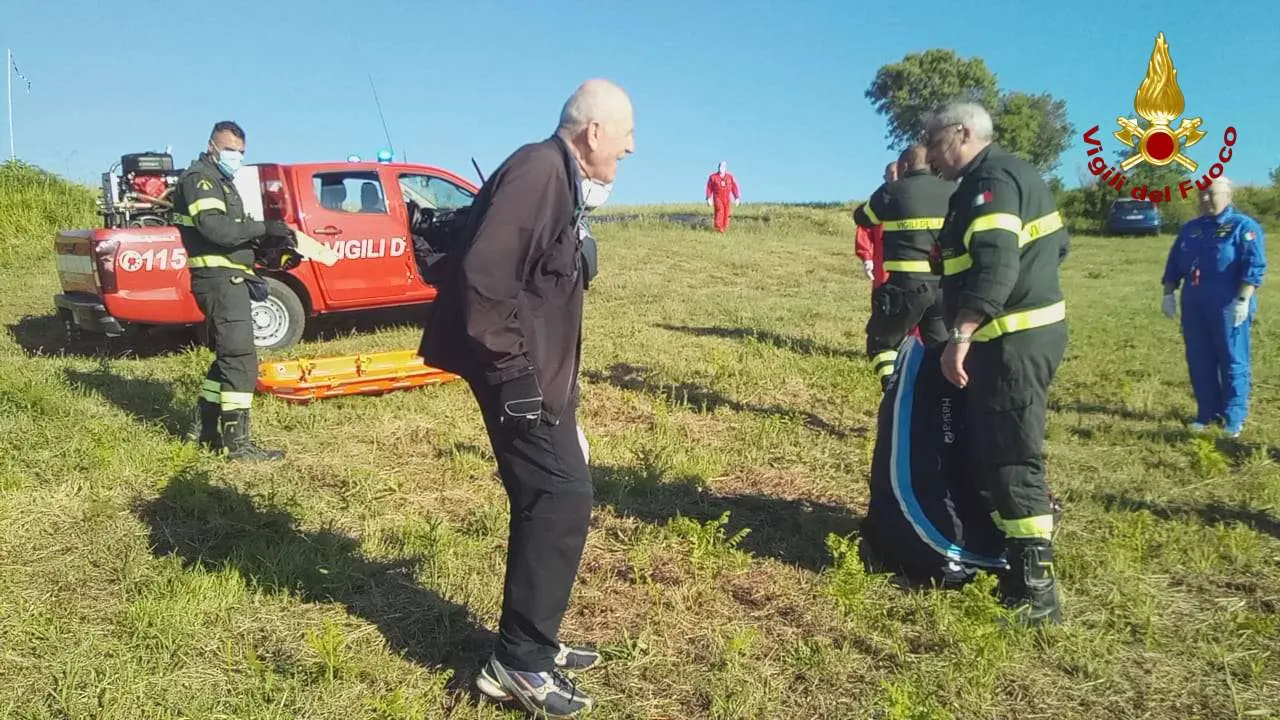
<point>927,520</point>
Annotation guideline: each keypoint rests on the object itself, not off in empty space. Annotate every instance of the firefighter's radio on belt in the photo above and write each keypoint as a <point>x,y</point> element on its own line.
<point>136,191</point>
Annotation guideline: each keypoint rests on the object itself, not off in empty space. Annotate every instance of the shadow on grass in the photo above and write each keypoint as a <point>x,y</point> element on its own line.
<point>633,377</point>
<point>44,335</point>
<point>802,346</point>
<point>1209,514</point>
<point>147,400</point>
<point>1236,452</point>
<point>792,531</point>
<point>1113,411</point>
<point>214,527</point>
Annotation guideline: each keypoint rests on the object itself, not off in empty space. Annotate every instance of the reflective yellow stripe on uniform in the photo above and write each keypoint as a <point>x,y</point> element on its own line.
<point>195,207</point>
<point>883,362</point>
<point>1021,320</point>
<point>237,400</point>
<point>1027,234</point>
<point>184,220</point>
<point>1040,227</point>
<point>207,261</point>
<point>1034,527</point>
<point>211,391</point>
<point>871,215</point>
<point>920,223</point>
<point>920,266</point>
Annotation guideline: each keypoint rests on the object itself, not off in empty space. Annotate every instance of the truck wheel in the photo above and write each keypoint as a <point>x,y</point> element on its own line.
<point>279,320</point>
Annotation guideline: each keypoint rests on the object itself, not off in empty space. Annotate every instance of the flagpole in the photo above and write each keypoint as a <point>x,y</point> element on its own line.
<point>8,75</point>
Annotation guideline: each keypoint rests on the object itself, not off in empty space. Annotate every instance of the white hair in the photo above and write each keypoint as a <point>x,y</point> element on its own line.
<point>595,100</point>
<point>1220,186</point>
<point>969,114</point>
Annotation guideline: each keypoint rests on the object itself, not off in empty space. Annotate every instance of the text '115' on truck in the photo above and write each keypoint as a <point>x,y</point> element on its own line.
<point>132,272</point>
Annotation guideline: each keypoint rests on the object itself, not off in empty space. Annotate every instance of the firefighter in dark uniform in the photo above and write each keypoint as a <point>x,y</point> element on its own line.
<point>910,212</point>
<point>222,246</point>
<point>1001,247</point>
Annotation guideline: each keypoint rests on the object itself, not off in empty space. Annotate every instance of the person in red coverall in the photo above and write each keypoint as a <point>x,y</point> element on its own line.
<point>868,245</point>
<point>719,187</point>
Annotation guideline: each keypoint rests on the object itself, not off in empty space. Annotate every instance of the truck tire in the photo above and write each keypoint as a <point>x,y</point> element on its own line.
<point>278,321</point>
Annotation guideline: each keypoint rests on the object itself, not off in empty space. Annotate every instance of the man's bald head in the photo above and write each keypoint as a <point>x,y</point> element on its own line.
<point>915,157</point>
<point>598,123</point>
<point>597,101</point>
<point>891,172</point>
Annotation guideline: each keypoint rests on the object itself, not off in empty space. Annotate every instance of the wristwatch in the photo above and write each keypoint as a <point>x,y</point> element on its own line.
<point>958,337</point>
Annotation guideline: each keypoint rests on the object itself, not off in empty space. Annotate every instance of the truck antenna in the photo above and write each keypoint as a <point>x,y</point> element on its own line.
<point>377,103</point>
<point>476,165</point>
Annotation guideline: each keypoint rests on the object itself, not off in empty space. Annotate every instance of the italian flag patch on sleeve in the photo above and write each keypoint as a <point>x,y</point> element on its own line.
<point>983,198</point>
<point>1250,236</point>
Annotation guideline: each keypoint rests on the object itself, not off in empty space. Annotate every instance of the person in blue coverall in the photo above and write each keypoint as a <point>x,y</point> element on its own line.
<point>1218,259</point>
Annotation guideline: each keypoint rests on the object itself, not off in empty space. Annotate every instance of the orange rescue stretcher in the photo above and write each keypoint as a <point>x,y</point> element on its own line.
<point>306,379</point>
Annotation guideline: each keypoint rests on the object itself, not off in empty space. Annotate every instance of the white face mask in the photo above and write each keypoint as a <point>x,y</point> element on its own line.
<point>230,161</point>
<point>595,193</point>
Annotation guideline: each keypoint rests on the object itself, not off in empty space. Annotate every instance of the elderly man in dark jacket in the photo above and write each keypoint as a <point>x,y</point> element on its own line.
<point>509,322</point>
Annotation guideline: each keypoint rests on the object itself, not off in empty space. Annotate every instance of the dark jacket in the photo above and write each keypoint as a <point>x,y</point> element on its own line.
<point>1002,242</point>
<point>513,304</point>
<point>210,215</point>
<point>911,212</point>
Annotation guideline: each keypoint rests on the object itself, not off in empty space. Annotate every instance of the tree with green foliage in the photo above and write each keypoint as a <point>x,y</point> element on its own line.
<point>906,91</point>
<point>1034,127</point>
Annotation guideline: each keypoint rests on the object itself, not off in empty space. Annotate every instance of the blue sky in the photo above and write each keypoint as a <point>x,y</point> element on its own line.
<point>774,88</point>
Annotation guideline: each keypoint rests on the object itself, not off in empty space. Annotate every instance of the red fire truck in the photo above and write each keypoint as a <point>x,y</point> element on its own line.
<point>132,271</point>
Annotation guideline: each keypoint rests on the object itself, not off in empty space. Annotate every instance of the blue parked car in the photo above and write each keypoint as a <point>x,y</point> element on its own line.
<point>1133,217</point>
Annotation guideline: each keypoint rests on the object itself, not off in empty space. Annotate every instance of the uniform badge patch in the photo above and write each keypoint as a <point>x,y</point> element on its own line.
<point>1250,236</point>
<point>983,198</point>
<point>204,185</point>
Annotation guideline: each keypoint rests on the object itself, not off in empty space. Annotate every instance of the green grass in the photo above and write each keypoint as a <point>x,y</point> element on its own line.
<point>731,420</point>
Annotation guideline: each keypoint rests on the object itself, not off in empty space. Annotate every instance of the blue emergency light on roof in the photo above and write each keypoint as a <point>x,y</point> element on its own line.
<point>384,156</point>
<point>353,158</point>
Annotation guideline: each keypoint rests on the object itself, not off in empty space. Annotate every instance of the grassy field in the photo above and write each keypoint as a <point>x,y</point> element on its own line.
<point>730,414</point>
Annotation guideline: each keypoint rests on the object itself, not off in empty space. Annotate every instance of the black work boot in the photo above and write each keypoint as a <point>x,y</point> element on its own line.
<point>209,414</point>
<point>1029,587</point>
<point>235,436</point>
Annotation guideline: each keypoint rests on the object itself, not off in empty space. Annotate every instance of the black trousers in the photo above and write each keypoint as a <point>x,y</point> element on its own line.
<point>550,493</point>
<point>902,302</point>
<point>222,294</point>
<point>1006,404</point>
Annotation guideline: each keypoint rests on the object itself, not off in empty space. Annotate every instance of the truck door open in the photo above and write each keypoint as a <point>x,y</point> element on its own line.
<point>432,192</point>
<point>348,211</point>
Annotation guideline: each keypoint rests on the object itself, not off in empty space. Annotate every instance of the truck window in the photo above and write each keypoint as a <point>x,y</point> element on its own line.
<point>434,192</point>
<point>353,192</point>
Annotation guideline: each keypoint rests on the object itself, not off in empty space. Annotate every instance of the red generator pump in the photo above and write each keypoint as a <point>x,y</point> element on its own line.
<point>139,196</point>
